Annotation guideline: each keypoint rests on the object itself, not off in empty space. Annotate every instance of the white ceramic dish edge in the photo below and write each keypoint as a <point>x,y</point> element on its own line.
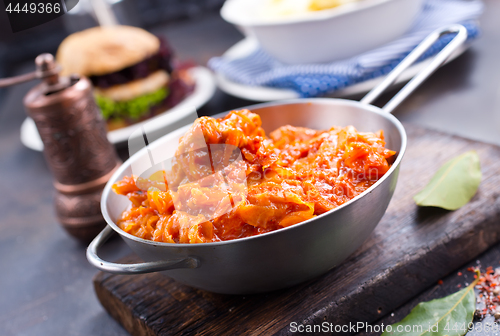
<point>231,13</point>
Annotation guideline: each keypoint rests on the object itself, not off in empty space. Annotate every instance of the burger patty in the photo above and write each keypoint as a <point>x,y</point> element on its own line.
<point>136,88</point>
<point>159,61</point>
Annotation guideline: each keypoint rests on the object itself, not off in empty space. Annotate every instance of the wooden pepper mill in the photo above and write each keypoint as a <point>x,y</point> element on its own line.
<point>75,144</point>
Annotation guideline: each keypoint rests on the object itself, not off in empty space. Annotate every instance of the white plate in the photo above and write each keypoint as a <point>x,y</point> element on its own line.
<point>179,115</point>
<point>261,93</point>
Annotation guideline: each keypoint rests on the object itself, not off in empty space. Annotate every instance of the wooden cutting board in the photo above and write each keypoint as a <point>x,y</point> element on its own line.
<point>411,249</point>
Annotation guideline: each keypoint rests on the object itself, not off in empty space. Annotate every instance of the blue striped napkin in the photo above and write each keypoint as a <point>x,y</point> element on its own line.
<point>310,80</point>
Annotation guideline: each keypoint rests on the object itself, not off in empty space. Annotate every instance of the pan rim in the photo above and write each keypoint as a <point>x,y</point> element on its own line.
<point>107,189</point>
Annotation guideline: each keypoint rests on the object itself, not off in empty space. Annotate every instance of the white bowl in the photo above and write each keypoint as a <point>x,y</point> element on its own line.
<point>327,35</point>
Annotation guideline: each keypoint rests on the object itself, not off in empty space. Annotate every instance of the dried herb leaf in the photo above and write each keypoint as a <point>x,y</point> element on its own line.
<point>454,184</point>
<point>448,316</point>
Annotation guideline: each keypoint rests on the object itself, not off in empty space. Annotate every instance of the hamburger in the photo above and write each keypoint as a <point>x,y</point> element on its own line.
<point>131,71</point>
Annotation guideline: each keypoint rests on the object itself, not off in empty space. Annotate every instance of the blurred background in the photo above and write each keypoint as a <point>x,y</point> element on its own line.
<point>26,45</point>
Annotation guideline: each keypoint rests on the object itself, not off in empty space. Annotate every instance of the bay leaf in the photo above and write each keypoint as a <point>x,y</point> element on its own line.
<point>448,316</point>
<point>454,184</point>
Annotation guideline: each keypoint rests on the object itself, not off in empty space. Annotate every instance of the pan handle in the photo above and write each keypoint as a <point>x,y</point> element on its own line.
<point>436,62</point>
<point>147,267</point>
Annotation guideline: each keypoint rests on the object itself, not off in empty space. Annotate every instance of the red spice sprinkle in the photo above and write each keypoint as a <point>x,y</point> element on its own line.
<point>440,282</point>
<point>488,290</point>
<point>459,285</point>
<point>459,273</point>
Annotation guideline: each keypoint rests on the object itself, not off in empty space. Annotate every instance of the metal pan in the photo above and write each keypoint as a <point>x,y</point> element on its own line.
<point>302,251</point>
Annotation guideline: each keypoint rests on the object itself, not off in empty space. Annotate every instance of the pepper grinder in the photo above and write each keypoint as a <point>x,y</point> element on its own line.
<point>76,147</point>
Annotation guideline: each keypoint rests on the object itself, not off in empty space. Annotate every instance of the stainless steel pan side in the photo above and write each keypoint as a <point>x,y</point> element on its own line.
<point>302,251</point>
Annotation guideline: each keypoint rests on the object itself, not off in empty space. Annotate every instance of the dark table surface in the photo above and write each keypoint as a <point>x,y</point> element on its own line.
<point>45,279</point>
